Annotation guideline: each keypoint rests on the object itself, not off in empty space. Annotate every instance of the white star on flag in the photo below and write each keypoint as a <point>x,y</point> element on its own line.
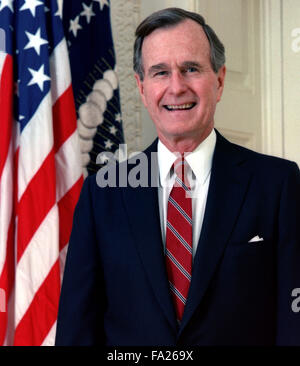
<point>113,130</point>
<point>38,77</point>
<point>87,12</point>
<point>103,158</point>
<point>74,26</point>
<point>35,41</point>
<point>108,144</point>
<point>31,5</point>
<point>7,3</point>
<point>102,3</point>
<point>118,117</point>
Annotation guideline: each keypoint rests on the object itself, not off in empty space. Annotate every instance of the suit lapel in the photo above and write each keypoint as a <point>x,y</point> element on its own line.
<point>143,213</point>
<point>228,186</point>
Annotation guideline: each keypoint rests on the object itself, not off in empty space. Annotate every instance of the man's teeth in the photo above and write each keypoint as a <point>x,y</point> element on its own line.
<point>180,107</point>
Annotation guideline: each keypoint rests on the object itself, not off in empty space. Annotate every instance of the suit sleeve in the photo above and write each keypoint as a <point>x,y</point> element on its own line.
<point>288,320</point>
<point>80,315</point>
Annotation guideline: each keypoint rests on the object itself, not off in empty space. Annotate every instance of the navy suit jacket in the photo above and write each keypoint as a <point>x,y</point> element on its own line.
<point>115,290</point>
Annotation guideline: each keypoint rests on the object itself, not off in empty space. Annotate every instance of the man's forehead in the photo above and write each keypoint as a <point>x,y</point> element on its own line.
<point>183,23</point>
<point>192,28</point>
<point>189,34</point>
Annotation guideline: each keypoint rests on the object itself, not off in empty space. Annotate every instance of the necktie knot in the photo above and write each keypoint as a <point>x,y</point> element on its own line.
<point>181,169</point>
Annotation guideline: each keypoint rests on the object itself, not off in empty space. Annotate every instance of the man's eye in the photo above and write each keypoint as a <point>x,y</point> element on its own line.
<point>160,73</point>
<point>191,69</point>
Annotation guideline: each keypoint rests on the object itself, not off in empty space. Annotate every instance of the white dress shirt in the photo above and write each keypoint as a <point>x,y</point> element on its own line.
<point>200,162</point>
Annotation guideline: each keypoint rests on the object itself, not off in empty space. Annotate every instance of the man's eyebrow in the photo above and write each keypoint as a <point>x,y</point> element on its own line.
<point>162,66</point>
<point>158,67</point>
<point>188,64</point>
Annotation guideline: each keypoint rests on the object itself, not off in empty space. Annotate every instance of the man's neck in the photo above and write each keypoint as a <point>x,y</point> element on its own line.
<point>183,144</point>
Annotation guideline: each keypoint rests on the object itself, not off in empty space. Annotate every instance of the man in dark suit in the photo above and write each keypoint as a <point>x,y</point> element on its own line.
<point>217,265</point>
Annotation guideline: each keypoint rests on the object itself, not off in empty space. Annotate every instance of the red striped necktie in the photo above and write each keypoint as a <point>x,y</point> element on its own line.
<point>179,238</point>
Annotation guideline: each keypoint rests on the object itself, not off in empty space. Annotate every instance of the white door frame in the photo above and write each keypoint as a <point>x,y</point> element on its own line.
<point>272,106</point>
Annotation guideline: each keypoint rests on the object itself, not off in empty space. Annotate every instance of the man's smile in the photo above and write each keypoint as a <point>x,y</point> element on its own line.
<point>180,107</point>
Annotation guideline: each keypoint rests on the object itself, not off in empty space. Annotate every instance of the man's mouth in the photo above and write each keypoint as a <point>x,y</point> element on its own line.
<point>180,107</point>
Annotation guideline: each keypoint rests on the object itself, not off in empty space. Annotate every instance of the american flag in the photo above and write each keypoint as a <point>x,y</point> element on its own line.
<point>94,78</point>
<point>40,170</point>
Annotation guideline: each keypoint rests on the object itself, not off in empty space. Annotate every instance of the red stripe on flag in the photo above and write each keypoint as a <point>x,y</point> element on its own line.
<point>64,118</point>
<point>66,208</point>
<point>7,278</point>
<point>35,314</point>
<point>7,275</point>
<point>37,200</point>
<point>42,312</point>
<point>15,182</point>
<point>6,92</point>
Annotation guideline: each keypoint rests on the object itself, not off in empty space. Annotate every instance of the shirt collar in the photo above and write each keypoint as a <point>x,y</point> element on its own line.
<point>200,160</point>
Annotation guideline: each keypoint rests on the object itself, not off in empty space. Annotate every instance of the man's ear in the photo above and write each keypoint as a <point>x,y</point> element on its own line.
<point>140,86</point>
<point>221,79</point>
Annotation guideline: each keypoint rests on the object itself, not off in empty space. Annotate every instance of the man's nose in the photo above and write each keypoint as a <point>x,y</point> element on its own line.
<point>178,83</point>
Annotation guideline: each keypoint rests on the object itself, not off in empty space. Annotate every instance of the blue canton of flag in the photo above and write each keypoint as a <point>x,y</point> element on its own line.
<point>25,37</point>
<point>94,78</point>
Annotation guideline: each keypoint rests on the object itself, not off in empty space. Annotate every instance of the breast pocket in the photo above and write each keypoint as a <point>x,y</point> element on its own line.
<point>246,260</point>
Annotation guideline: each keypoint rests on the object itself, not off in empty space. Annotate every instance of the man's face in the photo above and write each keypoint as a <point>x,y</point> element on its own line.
<point>180,89</point>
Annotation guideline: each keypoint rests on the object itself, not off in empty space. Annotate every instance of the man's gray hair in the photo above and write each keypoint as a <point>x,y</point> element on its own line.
<point>168,18</point>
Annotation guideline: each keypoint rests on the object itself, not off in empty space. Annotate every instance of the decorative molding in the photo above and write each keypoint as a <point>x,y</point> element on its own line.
<point>125,16</point>
<point>271,77</point>
<point>245,139</point>
<point>246,77</point>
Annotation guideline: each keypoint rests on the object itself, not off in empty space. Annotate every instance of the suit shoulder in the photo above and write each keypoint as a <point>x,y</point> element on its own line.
<point>89,187</point>
<point>266,162</point>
